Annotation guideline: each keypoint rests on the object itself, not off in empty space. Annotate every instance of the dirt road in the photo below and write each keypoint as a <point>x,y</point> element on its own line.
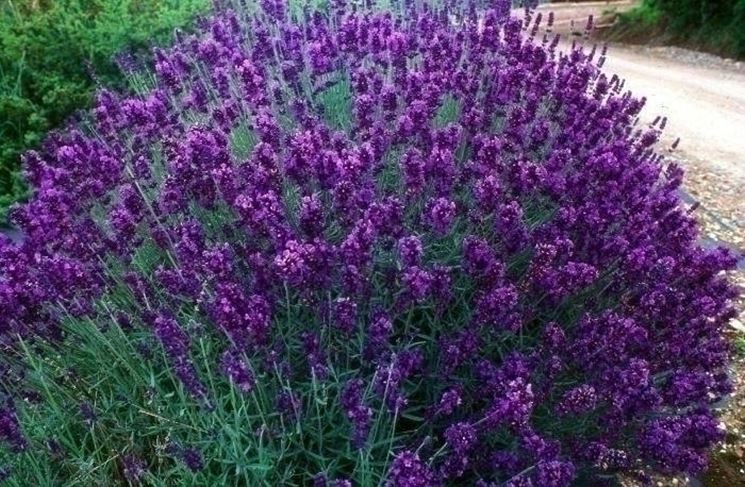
<point>705,104</point>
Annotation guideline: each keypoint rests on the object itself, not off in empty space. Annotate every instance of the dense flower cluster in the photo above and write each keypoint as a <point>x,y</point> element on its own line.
<point>452,229</point>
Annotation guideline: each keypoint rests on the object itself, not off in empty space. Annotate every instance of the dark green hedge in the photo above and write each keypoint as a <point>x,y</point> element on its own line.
<point>717,25</point>
<point>52,52</point>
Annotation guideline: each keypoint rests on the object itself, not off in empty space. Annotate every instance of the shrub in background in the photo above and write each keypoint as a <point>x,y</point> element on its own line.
<point>51,53</point>
<point>392,245</point>
<point>718,26</point>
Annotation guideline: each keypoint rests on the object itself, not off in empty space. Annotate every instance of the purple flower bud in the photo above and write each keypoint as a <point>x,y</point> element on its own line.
<point>344,315</point>
<point>235,367</point>
<point>555,474</point>
<point>311,215</point>
<point>192,458</point>
<point>10,429</point>
<point>578,400</point>
<point>418,282</point>
<point>133,468</point>
<point>410,250</point>
<point>407,470</point>
<point>441,215</point>
<point>88,413</point>
<point>460,437</point>
<point>449,401</point>
<point>174,339</point>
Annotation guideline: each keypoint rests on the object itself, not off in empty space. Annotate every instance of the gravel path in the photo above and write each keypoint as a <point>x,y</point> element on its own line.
<point>705,106</point>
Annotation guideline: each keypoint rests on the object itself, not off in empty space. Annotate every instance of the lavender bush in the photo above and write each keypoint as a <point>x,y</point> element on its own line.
<point>333,245</point>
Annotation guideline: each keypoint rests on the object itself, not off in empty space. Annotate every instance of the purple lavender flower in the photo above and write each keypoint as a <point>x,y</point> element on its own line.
<point>578,400</point>
<point>133,468</point>
<point>176,343</point>
<point>174,339</point>
<point>390,377</point>
<point>315,355</point>
<point>311,215</point>
<point>498,307</point>
<point>410,250</point>
<point>480,260</point>
<point>188,376</point>
<point>288,404</point>
<point>360,415</point>
<point>378,334</point>
<point>461,437</point>
<point>413,167</point>
<point>418,283</point>
<point>292,263</point>
<point>555,474</point>
<point>676,443</point>
<point>193,459</point>
<point>441,215</point>
<point>514,406</point>
<point>88,413</point>
<point>10,429</point>
<point>321,480</point>
<point>407,470</point>
<point>344,315</point>
<point>235,367</point>
<point>386,195</point>
<point>449,401</point>
<point>242,317</point>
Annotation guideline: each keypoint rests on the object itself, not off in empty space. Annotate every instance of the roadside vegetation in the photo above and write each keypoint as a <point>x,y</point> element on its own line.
<point>715,26</point>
